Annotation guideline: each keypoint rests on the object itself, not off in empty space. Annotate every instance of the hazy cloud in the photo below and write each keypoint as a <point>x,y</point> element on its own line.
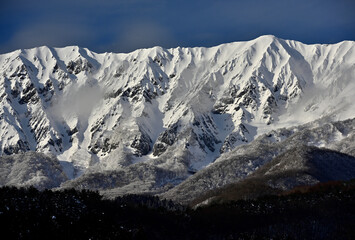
<point>50,34</point>
<point>143,35</point>
<point>78,101</point>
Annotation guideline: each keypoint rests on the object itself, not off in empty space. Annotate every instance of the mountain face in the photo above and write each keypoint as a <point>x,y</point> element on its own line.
<point>147,120</point>
<point>286,152</point>
<point>299,166</point>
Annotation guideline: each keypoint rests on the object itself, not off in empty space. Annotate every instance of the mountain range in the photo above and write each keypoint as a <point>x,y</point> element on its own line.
<point>177,122</point>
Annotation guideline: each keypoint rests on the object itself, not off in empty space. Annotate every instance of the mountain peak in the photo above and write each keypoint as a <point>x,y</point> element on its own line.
<point>267,37</point>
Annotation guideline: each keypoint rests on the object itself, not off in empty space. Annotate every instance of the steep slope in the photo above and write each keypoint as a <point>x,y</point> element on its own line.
<point>309,165</point>
<point>299,166</point>
<point>247,159</point>
<point>173,110</point>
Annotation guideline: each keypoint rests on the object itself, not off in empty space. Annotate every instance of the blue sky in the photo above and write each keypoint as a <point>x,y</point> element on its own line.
<point>125,25</point>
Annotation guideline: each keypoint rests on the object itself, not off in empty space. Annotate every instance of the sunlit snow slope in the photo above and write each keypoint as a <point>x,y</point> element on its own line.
<point>176,110</point>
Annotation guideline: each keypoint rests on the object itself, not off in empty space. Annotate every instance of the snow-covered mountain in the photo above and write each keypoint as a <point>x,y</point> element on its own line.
<point>156,116</point>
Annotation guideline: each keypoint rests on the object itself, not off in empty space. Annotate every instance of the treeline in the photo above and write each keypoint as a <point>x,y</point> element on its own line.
<point>26,213</point>
<point>325,211</point>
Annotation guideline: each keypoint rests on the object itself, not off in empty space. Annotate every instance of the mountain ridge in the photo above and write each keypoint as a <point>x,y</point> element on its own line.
<point>175,110</point>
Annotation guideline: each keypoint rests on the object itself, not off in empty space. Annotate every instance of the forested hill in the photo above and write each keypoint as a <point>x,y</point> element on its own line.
<point>324,211</point>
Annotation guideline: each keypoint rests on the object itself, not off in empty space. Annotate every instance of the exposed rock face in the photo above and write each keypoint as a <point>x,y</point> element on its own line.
<point>165,139</point>
<point>141,143</point>
<point>78,66</point>
<point>176,110</point>
<point>234,139</point>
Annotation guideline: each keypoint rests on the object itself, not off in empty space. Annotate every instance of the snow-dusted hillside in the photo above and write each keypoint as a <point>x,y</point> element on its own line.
<point>299,166</point>
<point>31,169</point>
<point>284,150</point>
<point>173,111</point>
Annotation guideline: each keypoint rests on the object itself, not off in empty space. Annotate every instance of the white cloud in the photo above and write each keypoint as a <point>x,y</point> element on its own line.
<point>78,101</point>
<point>49,34</point>
<point>143,35</point>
